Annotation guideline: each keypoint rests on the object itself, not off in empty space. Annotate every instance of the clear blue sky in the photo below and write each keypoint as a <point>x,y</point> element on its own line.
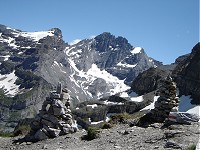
<point>166,29</point>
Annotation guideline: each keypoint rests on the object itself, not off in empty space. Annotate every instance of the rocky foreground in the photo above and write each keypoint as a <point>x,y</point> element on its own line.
<point>121,136</point>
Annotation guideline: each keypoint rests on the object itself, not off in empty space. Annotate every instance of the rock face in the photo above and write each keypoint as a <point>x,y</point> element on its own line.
<point>150,80</point>
<point>187,75</point>
<point>166,103</point>
<point>54,118</point>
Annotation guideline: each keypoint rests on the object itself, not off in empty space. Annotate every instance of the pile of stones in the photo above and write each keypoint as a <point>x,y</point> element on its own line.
<point>166,103</point>
<point>54,119</point>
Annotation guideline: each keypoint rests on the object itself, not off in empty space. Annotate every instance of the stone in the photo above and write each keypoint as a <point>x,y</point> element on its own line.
<point>40,135</point>
<point>58,111</point>
<point>52,131</point>
<point>59,88</point>
<point>35,125</point>
<point>172,144</point>
<point>54,95</point>
<point>51,118</point>
<point>47,123</point>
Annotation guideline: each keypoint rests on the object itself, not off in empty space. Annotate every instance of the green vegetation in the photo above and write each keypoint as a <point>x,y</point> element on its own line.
<point>192,147</point>
<point>92,133</point>
<point>6,134</point>
<point>106,125</point>
<point>121,117</point>
<point>22,130</point>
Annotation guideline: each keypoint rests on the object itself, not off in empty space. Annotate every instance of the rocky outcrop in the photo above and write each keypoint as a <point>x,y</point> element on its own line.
<point>93,112</point>
<point>150,80</point>
<point>54,118</point>
<point>187,75</point>
<point>166,103</point>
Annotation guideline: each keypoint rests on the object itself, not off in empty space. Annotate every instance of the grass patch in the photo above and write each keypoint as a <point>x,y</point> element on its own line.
<point>92,133</point>
<point>192,147</point>
<point>6,134</point>
<point>22,130</point>
<point>106,125</point>
<point>122,117</point>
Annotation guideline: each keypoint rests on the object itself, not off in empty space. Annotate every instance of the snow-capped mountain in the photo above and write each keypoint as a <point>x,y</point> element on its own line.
<point>91,68</point>
<point>32,63</point>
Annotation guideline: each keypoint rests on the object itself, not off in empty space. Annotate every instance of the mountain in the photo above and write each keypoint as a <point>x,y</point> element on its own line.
<point>185,72</point>
<point>32,63</point>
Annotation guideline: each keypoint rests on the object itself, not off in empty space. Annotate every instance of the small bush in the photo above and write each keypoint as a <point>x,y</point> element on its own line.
<point>107,125</point>
<point>119,118</point>
<point>92,133</point>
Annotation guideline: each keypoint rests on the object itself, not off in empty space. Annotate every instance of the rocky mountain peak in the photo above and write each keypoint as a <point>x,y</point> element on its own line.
<point>106,42</point>
<point>57,32</point>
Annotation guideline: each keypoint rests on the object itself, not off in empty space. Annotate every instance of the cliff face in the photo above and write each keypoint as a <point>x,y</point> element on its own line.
<point>151,79</point>
<point>187,75</point>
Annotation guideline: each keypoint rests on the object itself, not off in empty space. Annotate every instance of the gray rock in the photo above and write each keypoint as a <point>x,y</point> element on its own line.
<point>40,135</point>
<point>52,131</point>
<point>172,144</point>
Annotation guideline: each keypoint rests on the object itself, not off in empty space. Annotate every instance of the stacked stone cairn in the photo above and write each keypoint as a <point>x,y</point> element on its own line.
<point>54,119</point>
<point>166,103</point>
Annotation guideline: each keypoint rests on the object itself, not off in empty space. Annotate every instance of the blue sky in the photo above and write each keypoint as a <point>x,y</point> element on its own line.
<point>165,29</point>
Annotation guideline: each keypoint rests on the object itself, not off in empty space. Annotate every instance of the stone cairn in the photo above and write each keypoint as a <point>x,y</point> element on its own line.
<point>166,103</point>
<point>54,119</point>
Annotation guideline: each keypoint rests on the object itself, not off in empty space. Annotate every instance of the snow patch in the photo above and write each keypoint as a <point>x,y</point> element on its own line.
<point>7,82</point>
<point>118,85</point>
<point>10,41</point>
<point>151,106</point>
<point>184,104</point>
<point>137,99</point>
<point>35,36</point>
<point>74,41</point>
<point>6,57</point>
<point>126,65</point>
<point>97,122</point>
<point>136,50</point>
<point>59,66</point>
<point>93,106</point>
<point>194,110</point>
<point>106,102</point>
